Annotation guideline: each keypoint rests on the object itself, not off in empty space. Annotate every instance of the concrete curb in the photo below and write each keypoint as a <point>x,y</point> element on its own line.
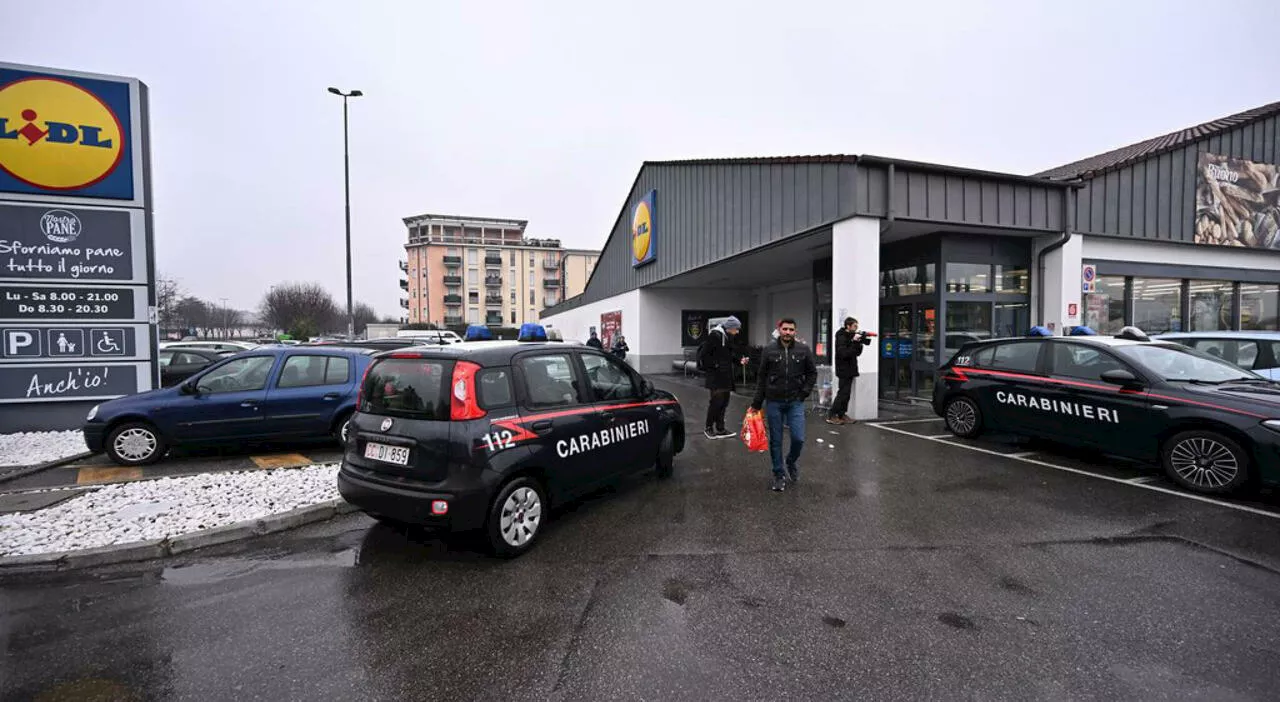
<point>24,471</point>
<point>174,545</point>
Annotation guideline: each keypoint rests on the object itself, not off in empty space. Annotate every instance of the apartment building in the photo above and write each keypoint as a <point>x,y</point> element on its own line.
<point>576,266</point>
<point>483,270</point>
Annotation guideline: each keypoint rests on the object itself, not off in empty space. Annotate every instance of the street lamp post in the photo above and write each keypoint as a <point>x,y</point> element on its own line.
<point>346,183</point>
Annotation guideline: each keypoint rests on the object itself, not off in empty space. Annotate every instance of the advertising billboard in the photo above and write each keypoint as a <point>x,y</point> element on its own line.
<point>1237,203</point>
<point>610,325</point>
<point>77,294</point>
<point>644,234</point>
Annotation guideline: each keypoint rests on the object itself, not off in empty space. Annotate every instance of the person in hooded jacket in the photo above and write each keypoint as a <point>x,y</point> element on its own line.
<point>594,342</point>
<point>718,359</point>
<point>848,346</point>
<point>620,347</point>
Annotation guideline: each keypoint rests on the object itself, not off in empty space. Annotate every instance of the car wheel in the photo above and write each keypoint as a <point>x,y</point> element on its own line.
<point>666,463</point>
<point>516,517</point>
<point>343,430</point>
<point>963,417</point>
<point>135,444</point>
<point>1205,461</point>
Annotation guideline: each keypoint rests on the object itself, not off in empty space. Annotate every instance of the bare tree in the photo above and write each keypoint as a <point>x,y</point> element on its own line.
<point>193,313</point>
<point>301,309</point>
<point>364,314</point>
<point>168,293</point>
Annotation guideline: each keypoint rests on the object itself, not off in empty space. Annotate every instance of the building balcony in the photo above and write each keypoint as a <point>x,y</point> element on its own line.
<point>453,260</point>
<point>404,303</point>
<point>493,281</point>
<point>493,259</point>
<point>551,283</point>
<point>453,321</point>
<point>551,265</point>
<point>453,280</point>
<point>404,266</point>
<point>404,284</point>
<point>453,299</point>
<point>493,300</point>
<point>493,320</point>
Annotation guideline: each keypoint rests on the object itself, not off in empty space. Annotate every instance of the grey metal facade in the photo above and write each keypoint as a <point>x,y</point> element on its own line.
<point>1155,198</point>
<point>709,211</point>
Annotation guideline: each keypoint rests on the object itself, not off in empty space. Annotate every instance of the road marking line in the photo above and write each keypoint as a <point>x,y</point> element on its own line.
<point>1142,480</point>
<point>283,460</point>
<point>936,436</point>
<point>904,421</point>
<point>1121,481</point>
<point>107,474</point>
<point>1024,454</point>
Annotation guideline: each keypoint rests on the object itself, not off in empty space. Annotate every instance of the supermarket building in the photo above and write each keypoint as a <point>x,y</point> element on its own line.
<point>1175,233</point>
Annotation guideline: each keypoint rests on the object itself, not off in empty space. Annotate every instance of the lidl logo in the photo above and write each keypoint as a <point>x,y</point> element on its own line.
<point>642,233</point>
<point>64,136</point>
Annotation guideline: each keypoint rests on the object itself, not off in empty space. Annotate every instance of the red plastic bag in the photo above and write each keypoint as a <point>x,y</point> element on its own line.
<point>753,432</point>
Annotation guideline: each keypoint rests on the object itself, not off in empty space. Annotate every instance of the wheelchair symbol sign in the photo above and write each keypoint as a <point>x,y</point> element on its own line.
<point>107,342</point>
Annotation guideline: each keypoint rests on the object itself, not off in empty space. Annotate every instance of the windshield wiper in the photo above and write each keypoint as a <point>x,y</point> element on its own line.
<point>1253,381</point>
<point>1196,381</point>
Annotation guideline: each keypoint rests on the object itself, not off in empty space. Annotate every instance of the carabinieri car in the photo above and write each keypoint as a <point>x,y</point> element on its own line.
<point>490,434</point>
<point>1213,426</point>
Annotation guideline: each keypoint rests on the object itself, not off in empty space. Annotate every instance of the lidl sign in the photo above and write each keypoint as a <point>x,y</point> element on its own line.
<point>643,236</point>
<point>66,135</point>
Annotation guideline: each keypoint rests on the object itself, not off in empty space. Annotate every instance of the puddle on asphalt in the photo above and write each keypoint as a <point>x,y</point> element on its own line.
<point>217,571</point>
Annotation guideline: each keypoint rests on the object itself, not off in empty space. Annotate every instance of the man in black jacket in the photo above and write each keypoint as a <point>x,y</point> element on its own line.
<point>848,346</point>
<point>786,379</point>
<point>718,359</point>
<point>594,342</point>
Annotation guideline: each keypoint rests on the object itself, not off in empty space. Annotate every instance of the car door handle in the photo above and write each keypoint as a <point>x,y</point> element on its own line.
<point>248,403</point>
<point>332,395</point>
<point>607,415</point>
<point>542,428</point>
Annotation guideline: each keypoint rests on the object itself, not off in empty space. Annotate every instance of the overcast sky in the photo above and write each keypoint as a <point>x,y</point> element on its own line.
<point>545,111</point>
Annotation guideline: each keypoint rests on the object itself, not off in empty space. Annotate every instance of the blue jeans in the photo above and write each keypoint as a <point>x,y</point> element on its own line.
<point>775,413</point>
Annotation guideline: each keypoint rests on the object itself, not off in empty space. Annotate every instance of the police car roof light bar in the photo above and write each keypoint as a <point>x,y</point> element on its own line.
<point>1132,333</point>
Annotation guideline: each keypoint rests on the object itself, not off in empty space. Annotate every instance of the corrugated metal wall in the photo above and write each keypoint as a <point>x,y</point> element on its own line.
<point>959,199</point>
<point>705,213</point>
<point>1155,199</point>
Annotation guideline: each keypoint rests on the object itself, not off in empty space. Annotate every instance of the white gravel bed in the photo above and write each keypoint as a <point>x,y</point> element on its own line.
<point>156,509</point>
<point>31,448</point>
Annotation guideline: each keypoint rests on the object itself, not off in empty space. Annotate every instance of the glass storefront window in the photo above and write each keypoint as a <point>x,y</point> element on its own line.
<point>1104,310</point>
<point>910,280</point>
<point>1258,307</point>
<point>1211,305</point>
<point>1157,305</point>
<point>966,321</point>
<point>1012,280</point>
<point>968,277</point>
<point>1012,319</point>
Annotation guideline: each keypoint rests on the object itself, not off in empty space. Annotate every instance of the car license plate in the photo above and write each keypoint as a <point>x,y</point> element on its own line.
<point>389,454</point>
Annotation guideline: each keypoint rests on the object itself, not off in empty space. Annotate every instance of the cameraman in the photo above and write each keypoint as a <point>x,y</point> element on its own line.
<point>848,346</point>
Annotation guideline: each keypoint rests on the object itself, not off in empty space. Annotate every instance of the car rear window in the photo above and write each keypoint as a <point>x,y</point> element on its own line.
<point>414,388</point>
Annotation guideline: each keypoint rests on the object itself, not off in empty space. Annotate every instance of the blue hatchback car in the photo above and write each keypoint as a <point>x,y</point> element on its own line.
<point>270,393</point>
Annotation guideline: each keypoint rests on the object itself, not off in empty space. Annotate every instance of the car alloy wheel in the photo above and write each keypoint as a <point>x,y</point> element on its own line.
<point>135,444</point>
<point>1204,462</point>
<point>962,417</point>
<point>521,517</point>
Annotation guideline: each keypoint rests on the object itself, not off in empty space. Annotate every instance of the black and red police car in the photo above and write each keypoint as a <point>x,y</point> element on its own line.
<point>489,435</point>
<point>1213,426</point>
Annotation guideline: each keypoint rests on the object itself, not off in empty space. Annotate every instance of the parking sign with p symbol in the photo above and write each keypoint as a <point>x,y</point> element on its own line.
<point>20,343</point>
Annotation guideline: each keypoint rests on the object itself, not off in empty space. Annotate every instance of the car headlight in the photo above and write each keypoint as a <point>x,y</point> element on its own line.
<point>92,413</point>
<point>1272,424</point>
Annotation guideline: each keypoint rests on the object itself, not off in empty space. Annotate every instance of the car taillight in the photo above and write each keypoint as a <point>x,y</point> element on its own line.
<point>360,388</point>
<point>463,403</point>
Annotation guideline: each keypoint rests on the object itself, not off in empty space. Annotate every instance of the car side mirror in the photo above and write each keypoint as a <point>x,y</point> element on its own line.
<point>1121,377</point>
<point>646,387</point>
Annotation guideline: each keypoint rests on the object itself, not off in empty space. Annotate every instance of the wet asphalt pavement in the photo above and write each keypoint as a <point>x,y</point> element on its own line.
<point>900,567</point>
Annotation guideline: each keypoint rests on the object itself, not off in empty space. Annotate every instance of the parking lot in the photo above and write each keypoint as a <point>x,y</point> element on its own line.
<point>1045,455</point>
<point>904,565</point>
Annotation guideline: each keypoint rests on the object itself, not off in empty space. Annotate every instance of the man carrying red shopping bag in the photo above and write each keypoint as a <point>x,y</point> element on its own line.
<point>753,432</point>
<point>785,380</point>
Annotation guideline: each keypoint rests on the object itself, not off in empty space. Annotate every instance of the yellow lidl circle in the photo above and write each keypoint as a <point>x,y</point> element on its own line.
<point>641,231</point>
<point>56,135</point>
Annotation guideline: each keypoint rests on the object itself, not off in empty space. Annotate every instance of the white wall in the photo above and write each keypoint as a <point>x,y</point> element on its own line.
<point>1060,283</point>
<point>1107,249</point>
<point>661,307</point>
<point>855,292</point>
<point>575,324</point>
<point>793,299</point>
